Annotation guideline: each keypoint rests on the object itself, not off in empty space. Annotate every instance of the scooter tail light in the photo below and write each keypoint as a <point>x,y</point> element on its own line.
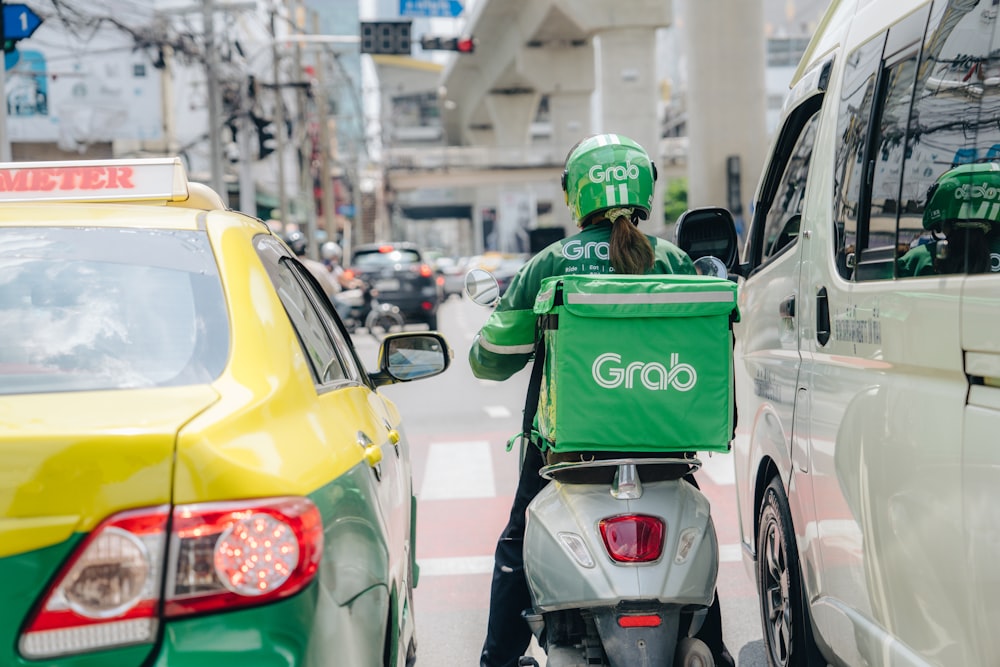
<point>633,538</point>
<point>218,555</point>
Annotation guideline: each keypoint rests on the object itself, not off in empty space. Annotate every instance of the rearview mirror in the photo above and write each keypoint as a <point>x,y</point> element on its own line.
<point>482,287</point>
<point>709,232</point>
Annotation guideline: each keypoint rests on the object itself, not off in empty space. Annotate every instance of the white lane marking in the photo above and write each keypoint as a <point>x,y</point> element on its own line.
<point>719,467</point>
<point>458,470</point>
<point>497,411</point>
<point>730,553</point>
<point>440,567</point>
<point>436,567</point>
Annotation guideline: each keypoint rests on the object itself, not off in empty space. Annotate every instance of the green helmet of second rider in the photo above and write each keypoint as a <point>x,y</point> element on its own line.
<point>967,196</point>
<point>608,171</point>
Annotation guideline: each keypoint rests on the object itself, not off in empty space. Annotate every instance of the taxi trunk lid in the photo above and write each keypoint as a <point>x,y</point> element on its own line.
<point>71,460</point>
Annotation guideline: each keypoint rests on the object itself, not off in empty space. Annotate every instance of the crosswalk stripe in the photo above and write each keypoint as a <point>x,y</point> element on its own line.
<point>458,470</point>
<point>719,467</point>
<point>497,411</point>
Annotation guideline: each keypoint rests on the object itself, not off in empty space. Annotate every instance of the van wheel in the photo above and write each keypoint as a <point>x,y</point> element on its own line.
<point>783,609</point>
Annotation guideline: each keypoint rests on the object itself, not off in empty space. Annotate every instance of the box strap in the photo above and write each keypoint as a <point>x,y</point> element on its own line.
<point>534,390</point>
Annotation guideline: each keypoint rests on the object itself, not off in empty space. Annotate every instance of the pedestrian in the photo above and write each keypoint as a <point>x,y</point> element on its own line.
<point>298,243</point>
<point>608,183</point>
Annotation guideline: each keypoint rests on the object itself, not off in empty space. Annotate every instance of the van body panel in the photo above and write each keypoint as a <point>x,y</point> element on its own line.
<point>876,398</point>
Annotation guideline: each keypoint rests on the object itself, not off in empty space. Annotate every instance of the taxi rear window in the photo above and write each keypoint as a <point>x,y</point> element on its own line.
<point>85,309</point>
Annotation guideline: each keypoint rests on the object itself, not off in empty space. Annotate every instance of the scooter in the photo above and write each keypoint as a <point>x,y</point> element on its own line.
<point>621,573</point>
<point>382,318</point>
<point>620,555</point>
<point>365,309</point>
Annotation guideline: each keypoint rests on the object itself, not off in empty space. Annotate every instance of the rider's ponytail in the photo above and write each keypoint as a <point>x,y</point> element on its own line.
<point>630,250</point>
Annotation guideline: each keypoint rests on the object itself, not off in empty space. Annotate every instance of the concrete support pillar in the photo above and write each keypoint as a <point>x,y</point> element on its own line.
<point>481,135</point>
<point>628,96</point>
<point>727,110</point>
<point>563,72</point>
<point>571,119</point>
<point>512,114</point>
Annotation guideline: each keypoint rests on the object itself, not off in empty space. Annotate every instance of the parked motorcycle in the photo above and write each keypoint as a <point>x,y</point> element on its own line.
<point>364,309</point>
<point>382,318</point>
<point>620,553</point>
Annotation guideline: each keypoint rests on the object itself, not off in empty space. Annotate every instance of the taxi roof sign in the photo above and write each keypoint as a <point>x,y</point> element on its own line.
<point>148,179</point>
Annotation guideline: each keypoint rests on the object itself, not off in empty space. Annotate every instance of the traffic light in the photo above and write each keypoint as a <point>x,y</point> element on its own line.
<point>266,140</point>
<point>386,37</point>
<point>459,44</point>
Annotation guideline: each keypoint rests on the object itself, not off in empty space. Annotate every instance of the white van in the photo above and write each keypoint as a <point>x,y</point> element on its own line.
<point>867,448</point>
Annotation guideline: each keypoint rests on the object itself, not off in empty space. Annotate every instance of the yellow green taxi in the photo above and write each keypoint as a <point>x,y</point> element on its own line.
<point>195,467</point>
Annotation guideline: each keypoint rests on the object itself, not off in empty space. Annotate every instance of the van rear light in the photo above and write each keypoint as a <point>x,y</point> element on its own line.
<point>220,556</point>
<point>633,538</point>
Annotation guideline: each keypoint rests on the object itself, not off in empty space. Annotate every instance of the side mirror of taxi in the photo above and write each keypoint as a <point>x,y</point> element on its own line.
<point>411,355</point>
<point>709,232</point>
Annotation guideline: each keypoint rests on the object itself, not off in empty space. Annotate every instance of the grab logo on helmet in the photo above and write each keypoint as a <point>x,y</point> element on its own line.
<point>608,372</point>
<point>614,194</point>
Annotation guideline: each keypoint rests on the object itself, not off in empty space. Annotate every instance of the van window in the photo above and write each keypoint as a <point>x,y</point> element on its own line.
<point>853,119</point>
<point>781,227</point>
<point>951,178</point>
<point>775,222</point>
<point>891,212</point>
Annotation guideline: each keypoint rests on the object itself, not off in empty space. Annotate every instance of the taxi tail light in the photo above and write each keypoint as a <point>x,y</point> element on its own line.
<point>108,592</point>
<point>226,555</point>
<point>633,538</point>
<point>218,555</point>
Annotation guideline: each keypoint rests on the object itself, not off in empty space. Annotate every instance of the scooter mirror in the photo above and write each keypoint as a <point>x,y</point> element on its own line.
<point>711,266</point>
<point>482,287</point>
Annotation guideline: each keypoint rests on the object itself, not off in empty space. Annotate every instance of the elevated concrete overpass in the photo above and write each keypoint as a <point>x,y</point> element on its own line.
<point>595,63</point>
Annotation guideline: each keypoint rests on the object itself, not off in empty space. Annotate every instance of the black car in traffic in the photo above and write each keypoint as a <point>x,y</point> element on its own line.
<point>401,276</point>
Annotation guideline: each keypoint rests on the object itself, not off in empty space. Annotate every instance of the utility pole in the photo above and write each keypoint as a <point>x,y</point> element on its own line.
<point>279,122</point>
<point>306,197</point>
<point>214,99</point>
<point>329,220</point>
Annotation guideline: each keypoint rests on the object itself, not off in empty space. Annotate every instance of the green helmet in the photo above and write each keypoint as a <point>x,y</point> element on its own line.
<point>966,196</point>
<point>608,171</point>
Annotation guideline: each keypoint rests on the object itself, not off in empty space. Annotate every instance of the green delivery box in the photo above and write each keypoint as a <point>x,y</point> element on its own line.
<point>636,363</point>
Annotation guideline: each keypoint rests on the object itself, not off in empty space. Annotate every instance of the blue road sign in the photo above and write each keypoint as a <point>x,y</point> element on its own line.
<point>432,8</point>
<point>19,22</point>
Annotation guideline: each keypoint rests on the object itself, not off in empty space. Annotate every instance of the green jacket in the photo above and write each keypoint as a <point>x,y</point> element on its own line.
<point>506,342</point>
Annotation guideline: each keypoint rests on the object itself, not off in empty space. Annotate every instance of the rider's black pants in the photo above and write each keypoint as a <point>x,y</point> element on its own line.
<point>507,634</point>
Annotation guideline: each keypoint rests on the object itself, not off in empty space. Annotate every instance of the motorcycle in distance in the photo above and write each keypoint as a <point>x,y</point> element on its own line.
<point>367,311</point>
<point>620,554</point>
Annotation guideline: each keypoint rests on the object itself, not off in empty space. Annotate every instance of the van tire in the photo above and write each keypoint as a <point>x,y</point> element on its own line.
<point>787,629</point>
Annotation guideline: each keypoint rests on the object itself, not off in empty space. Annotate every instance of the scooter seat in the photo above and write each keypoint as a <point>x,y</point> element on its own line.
<point>653,472</point>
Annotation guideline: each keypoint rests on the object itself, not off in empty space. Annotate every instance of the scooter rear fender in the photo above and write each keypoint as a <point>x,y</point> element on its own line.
<point>684,574</point>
